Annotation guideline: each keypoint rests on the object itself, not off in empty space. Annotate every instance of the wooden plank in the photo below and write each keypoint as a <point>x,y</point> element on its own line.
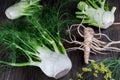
<point>34,73</point>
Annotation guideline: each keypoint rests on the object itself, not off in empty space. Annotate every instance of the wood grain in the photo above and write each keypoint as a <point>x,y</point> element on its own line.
<point>34,73</point>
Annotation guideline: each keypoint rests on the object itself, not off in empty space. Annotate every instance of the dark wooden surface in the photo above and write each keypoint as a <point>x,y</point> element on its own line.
<point>34,73</point>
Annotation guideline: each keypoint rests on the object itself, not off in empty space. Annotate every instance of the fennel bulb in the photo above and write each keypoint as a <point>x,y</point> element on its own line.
<point>54,64</point>
<point>95,15</point>
<point>22,8</point>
